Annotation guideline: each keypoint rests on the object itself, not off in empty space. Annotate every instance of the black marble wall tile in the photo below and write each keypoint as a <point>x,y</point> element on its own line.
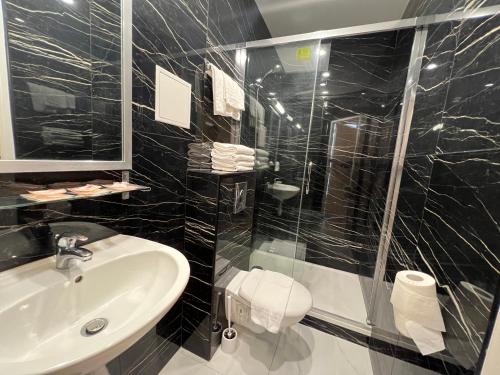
<point>459,235</point>
<point>471,115</point>
<point>160,149</point>
<point>235,21</point>
<point>457,245</point>
<point>446,223</point>
<point>419,8</point>
<point>432,89</point>
<point>344,232</point>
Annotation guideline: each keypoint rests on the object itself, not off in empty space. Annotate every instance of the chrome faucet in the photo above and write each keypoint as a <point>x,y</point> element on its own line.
<point>67,249</point>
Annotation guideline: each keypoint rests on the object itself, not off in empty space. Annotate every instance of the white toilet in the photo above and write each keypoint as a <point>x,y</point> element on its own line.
<point>299,303</point>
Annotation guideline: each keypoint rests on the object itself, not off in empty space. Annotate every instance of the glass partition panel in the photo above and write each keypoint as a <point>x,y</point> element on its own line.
<point>280,80</point>
<point>348,165</point>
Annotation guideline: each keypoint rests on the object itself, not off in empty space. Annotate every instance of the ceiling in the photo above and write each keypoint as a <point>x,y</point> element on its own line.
<point>289,17</point>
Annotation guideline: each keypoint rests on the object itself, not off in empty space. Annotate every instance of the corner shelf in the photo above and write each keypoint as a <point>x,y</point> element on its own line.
<point>17,201</point>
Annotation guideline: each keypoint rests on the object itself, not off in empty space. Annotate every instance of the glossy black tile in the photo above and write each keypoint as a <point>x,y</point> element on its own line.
<point>213,231</point>
<point>471,113</point>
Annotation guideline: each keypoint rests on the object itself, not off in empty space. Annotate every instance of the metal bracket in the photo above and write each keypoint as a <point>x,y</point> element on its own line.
<point>240,197</point>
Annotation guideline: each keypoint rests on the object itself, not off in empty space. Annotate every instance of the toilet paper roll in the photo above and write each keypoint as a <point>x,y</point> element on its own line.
<point>419,282</point>
<point>414,297</point>
<point>417,313</point>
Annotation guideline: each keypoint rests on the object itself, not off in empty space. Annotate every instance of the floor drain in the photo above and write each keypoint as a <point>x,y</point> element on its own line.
<point>94,326</point>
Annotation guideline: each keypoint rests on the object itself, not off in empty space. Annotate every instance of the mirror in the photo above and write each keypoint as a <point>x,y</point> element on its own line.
<point>65,83</point>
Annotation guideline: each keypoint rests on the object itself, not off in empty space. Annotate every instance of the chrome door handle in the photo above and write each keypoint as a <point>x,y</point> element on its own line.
<point>309,170</point>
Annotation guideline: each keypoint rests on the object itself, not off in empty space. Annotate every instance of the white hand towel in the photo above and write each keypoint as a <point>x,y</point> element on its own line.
<point>261,136</point>
<point>230,157</point>
<point>270,299</point>
<point>235,96</point>
<point>228,96</point>
<point>256,109</point>
<point>232,148</point>
<point>218,91</point>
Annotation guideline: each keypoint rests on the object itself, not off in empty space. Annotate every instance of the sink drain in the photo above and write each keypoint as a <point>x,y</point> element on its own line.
<point>94,326</point>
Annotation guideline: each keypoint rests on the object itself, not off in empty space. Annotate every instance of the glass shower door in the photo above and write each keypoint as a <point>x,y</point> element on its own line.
<point>350,148</point>
<point>280,80</point>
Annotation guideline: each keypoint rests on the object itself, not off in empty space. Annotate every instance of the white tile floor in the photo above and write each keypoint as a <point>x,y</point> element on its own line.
<point>301,350</point>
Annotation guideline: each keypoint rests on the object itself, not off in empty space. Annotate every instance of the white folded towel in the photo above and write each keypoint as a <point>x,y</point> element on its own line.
<point>232,148</point>
<point>232,165</point>
<point>270,298</point>
<point>225,168</point>
<point>229,163</point>
<point>230,157</point>
<point>261,152</point>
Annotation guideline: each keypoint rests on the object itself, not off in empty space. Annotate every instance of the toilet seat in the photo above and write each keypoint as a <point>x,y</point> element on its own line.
<point>299,301</point>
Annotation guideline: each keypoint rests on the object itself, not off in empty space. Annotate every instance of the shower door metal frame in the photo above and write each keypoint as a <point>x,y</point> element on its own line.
<point>410,92</point>
<point>405,23</point>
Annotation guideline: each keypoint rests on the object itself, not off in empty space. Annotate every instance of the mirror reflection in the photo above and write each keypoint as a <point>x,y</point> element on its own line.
<point>64,72</point>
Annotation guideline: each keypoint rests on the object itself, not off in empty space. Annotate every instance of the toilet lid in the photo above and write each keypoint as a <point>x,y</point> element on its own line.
<point>299,303</point>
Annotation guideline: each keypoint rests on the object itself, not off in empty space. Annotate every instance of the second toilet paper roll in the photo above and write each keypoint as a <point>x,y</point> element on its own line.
<point>417,313</point>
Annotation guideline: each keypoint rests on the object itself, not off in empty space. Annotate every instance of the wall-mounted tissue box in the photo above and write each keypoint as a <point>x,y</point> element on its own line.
<point>172,99</point>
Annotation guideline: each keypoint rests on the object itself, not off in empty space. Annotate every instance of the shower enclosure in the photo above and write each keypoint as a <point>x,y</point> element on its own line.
<point>331,117</point>
<point>324,118</point>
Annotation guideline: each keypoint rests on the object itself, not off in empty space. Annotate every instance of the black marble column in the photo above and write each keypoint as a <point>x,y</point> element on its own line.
<point>214,234</point>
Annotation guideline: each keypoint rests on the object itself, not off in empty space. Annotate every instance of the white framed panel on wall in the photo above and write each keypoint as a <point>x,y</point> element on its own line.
<point>172,99</point>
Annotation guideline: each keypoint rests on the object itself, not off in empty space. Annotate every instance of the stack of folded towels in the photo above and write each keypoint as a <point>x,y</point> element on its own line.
<point>262,160</point>
<point>232,158</point>
<point>199,155</point>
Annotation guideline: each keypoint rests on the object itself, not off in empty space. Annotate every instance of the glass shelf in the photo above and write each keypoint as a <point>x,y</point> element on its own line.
<point>17,201</point>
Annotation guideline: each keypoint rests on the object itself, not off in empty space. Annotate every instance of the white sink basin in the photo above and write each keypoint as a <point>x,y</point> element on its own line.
<point>283,191</point>
<point>130,281</point>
